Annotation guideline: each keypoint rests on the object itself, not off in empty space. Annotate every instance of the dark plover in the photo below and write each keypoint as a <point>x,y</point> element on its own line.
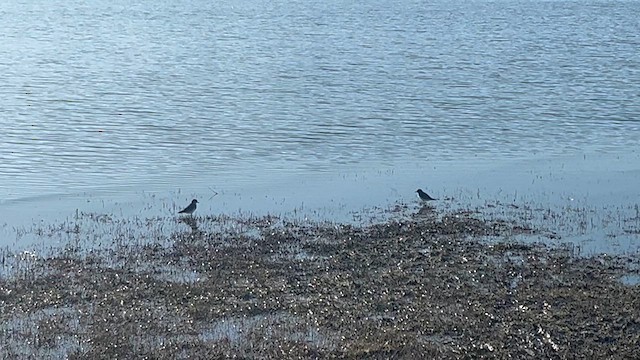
<point>422,195</point>
<point>189,209</point>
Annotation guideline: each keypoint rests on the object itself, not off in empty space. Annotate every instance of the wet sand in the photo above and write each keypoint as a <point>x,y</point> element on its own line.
<point>424,284</point>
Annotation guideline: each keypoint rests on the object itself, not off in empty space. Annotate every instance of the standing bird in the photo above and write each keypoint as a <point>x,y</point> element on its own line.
<point>189,209</point>
<point>424,196</point>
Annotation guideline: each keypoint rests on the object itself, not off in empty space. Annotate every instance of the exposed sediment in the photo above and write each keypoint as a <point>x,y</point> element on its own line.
<point>426,286</point>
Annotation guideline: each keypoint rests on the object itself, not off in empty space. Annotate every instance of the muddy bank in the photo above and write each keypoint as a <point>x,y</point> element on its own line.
<point>427,284</point>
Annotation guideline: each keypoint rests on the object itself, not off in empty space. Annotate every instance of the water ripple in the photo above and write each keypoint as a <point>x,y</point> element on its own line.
<point>117,93</point>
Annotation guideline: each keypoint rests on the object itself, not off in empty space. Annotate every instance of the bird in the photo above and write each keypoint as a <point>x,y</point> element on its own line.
<point>189,209</point>
<point>424,196</point>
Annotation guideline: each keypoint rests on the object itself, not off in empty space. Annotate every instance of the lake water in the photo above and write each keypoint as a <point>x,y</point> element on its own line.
<point>322,107</point>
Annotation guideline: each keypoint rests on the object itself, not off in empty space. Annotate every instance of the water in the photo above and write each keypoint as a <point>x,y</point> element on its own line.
<point>136,107</point>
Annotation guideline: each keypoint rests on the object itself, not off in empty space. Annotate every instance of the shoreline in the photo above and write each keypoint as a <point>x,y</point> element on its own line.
<point>600,187</point>
<point>424,283</point>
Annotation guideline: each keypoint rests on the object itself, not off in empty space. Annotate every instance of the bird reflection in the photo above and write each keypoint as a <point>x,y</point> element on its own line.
<point>191,221</point>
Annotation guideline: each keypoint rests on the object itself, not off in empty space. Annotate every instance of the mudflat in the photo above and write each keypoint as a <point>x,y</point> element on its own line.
<point>425,284</point>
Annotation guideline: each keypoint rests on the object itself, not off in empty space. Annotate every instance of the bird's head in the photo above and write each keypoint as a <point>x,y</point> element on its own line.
<point>194,201</point>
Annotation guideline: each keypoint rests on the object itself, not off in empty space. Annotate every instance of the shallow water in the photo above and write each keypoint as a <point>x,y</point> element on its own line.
<point>317,107</point>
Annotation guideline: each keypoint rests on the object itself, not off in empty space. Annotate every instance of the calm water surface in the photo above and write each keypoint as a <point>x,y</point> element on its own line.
<point>137,106</point>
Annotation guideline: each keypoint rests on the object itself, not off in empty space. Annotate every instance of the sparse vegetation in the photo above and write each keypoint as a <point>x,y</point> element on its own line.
<point>424,285</point>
